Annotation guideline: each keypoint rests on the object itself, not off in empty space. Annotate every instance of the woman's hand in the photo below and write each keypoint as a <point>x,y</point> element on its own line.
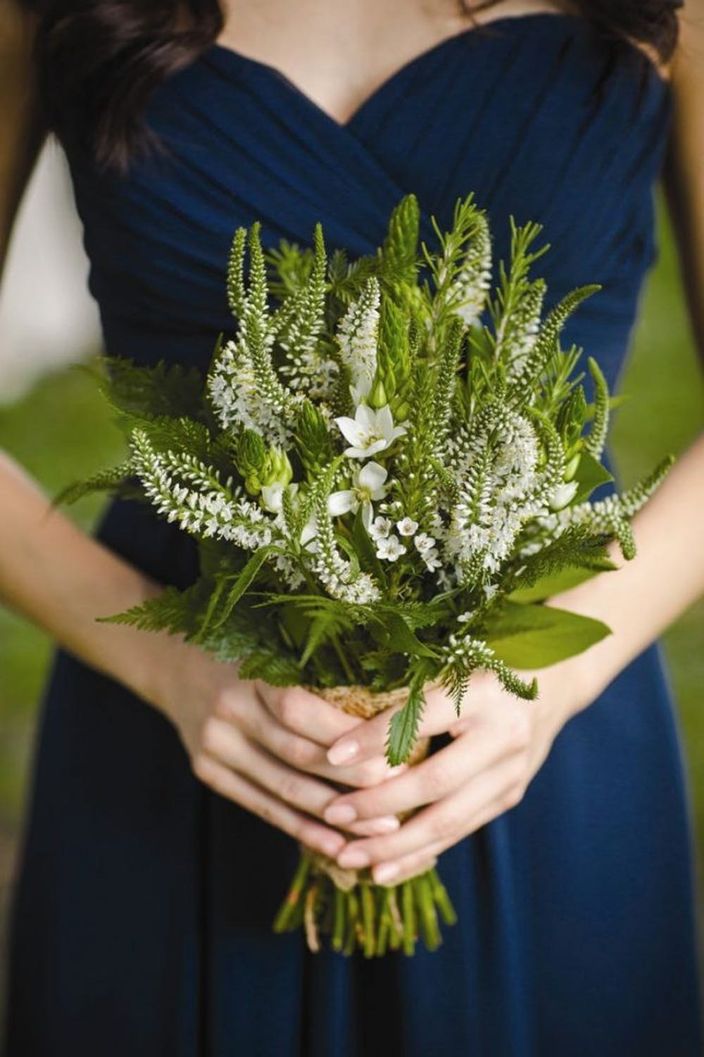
<point>499,744</point>
<point>265,747</point>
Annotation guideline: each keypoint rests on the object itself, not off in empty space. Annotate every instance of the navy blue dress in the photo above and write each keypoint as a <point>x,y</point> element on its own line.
<point>142,920</point>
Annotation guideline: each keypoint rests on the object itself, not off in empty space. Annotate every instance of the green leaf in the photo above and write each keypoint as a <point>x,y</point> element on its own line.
<point>555,582</point>
<point>149,391</point>
<point>535,636</point>
<point>171,610</point>
<point>590,474</point>
<point>273,668</point>
<point>243,582</point>
<point>400,638</point>
<point>113,479</point>
<point>403,728</point>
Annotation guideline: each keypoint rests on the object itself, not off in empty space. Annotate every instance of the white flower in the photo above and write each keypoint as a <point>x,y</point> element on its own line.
<point>406,526</point>
<point>308,534</point>
<point>390,548</point>
<point>380,528</point>
<point>369,431</point>
<point>431,559</point>
<point>465,617</point>
<point>562,495</point>
<point>367,485</point>
<point>272,497</point>
<point>424,542</point>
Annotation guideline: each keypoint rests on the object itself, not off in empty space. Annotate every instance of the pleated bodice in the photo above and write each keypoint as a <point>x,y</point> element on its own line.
<point>539,115</point>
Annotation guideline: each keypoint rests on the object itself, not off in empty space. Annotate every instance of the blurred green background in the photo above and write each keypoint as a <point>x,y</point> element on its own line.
<point>61,431</point>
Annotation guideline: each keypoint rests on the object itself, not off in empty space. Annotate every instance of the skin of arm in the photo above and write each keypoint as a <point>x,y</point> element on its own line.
<point>260,747</point>
<point>500,743</point>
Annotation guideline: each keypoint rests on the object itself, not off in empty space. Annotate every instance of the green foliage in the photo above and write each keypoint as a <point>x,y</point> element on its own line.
<point>387,469</point>
<point>113,479</point>
<point>403,728</point>
<point>535,636</point>
<point>150,391</point>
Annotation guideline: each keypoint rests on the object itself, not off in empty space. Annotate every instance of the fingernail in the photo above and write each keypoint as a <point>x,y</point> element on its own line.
<point>343,752</point>
<point>353,859</point>
<point>340,814</point>
<point>386,871</point>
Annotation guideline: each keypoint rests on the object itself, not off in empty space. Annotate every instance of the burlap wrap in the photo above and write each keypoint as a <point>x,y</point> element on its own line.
<point>362,702</point>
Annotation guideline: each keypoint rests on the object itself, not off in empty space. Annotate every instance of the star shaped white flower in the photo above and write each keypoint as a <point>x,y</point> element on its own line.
<point>424,542</point>
<point>380,528</point>
<point>367,486</point>
<point>406,526</point>
<point>390,549</point>
<point>369,432</point>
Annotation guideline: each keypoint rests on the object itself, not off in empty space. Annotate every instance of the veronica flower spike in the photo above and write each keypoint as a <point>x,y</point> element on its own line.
<point>369,432</point>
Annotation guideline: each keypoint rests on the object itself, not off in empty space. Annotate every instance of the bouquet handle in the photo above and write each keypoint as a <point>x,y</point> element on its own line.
<point>356,913</point>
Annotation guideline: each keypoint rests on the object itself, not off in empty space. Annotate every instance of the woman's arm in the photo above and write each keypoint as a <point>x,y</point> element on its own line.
<point>250,743</point>
<point>500,742</point>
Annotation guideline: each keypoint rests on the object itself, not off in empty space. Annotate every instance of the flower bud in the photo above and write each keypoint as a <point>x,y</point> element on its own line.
<point>377,397</point>
<point>277,468</point>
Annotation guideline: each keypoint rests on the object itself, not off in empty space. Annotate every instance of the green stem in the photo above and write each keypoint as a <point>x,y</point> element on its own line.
<point>408,914</point>
<point>349,674</point>
<point>368,919</point>
<point>442,899</point>
<point>282,922</point>
<point>428,917</point>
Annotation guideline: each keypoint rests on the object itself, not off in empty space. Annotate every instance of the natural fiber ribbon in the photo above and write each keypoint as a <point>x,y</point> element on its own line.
<point>362,702</point>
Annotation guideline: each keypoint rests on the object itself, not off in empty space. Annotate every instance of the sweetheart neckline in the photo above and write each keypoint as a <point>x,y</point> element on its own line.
<point>464,36</point>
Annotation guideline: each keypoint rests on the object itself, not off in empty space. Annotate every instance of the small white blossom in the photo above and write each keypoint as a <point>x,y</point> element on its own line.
<point>390,549</point>
<point>424,542</point>
<point>406,526</point>
<point>431,559</point>
<point>380,528</point>
<point>369,431</point>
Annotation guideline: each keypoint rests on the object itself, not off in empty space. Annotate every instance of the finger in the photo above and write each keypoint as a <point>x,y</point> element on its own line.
<point>373,827</point>
<point>369,737</point>
<point>403,869</point>
<point>448,820</point>
<point>228,746</point>
<point>235,787</point>
<point>305,713</point>
<point>424,783</point>
<point>258,722</point>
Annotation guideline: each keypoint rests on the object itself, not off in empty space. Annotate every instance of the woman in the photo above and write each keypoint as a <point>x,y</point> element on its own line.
<point>167,791</point>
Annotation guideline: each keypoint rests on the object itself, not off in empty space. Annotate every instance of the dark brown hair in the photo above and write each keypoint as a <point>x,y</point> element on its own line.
<point>99,60</point>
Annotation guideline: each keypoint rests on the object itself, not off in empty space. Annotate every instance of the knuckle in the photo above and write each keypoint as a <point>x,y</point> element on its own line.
<point>513,796</point>
<point>433,784</point>
<point>519,730</point>
<point>201,766</point>
<point>289,709</point>
<point>224,704</point>
<point>289,789</point>
<point>299,752</point>
<point>210,735</point>
<point>444,825</point>
<point>369,774</point>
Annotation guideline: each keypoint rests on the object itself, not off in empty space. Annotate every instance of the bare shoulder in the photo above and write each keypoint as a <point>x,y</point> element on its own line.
<point>688,57</point>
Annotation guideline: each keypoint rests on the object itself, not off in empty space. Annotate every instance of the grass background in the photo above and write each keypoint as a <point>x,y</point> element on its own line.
<point>60,431</point>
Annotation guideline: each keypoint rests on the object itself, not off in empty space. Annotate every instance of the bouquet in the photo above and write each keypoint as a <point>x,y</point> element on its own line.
<point>387,470</point>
